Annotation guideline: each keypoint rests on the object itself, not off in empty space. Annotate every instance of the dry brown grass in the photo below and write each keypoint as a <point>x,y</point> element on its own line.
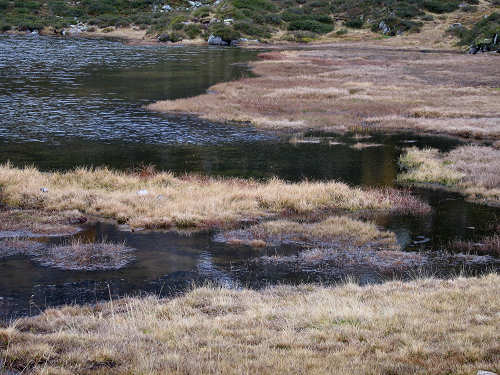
<point>426,326</point>
<point>472,170</point>
<point>338,231</point>
<point>162,200</point>
<point>359,86</point>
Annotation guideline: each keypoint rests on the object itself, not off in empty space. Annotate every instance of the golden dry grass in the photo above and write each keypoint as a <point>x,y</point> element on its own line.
<point>359,86</point>
<point>472,170</point>
<point>426,326</point>
<point>335,230</point>
<point>161,200</point>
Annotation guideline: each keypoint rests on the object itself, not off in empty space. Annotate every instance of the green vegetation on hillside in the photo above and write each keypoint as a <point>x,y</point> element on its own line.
<point>484,34</point>
<point>173,20</point>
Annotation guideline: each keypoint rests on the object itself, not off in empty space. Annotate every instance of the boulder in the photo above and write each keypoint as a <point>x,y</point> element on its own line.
<point>216,41</point>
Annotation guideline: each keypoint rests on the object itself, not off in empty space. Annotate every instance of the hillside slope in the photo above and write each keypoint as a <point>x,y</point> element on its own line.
<point>265,20</point>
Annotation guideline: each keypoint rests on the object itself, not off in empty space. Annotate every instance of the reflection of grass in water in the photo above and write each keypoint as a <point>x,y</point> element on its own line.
<point>426,326</point>
<point>86,256</point>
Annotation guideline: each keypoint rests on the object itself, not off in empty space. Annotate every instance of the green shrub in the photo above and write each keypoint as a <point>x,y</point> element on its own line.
<point>225,32</point>
<point>192,30</point>
<point>310,25</point>
<point>440,6</point>
<point>355,22</point>
<point>4,4</point>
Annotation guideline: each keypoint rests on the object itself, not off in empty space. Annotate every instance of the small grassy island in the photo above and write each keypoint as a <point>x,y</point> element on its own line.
<point>338,69</point>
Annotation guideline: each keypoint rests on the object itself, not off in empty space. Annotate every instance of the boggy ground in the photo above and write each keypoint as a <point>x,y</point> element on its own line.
<point>335,231</point>
<point>471,170</point>
<point>154,200</point>
<point>426,326</point>
<point>357,86</point>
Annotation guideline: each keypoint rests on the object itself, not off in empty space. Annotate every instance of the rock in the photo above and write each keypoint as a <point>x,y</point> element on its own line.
<point>216,41</point>
<point>473,50</point>
<point>142,193</point>
<point>482,372</point>
<point>44,190</point>
<point>382,26</point>
<point>228,21</point>
<point>164,38</point>
<point>166,8</point>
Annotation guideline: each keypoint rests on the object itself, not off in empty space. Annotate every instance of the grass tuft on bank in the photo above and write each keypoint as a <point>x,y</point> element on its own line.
<point>162,200</point>
<point>426,326</point>
<point>471,170</point>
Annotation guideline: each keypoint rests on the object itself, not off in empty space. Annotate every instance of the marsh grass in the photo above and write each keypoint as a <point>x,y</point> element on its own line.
<point>80,256</point>
<point>345,87</point>
<point>487,245</point>
<point>337,231</point>
<point>472,170</point>
<point>162,200</point>
<point>426,326</point>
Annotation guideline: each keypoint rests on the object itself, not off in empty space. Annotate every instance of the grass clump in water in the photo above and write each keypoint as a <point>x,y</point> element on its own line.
<point>338,231</point>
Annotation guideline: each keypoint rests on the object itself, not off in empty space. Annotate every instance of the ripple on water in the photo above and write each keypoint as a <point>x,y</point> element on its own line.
<point>95,90</point>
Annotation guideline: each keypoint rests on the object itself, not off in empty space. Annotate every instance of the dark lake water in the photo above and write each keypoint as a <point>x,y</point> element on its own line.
<point>79,102</point>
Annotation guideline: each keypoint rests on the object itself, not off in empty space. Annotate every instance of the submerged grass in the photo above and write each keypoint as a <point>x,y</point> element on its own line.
<point>161,200</point>
<point>426,326</point>
<point>472,170</point>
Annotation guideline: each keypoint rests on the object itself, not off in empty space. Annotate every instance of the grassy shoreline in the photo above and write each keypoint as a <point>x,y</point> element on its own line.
<point>343,87</point>
<point>472,171</point>
<point>426,326</point>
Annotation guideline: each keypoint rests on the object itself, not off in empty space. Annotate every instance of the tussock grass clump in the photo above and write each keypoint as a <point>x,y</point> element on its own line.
<point>426,326</point>
<point>94,256</point>
<point>338,231</point>
<point>427,166</point>
<point>74,256</point>
<point>165,201</point>
<point>473,170</point>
